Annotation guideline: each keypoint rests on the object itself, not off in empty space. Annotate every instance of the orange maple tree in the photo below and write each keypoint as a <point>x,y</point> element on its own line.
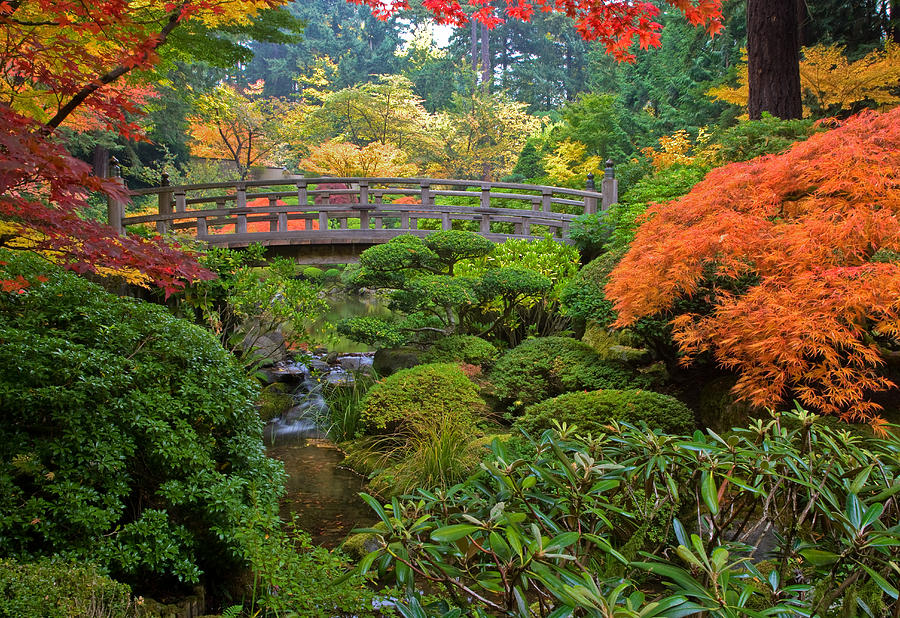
<point>798,255</point>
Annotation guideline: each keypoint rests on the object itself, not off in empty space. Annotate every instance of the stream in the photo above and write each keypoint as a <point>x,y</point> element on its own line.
<point>322,495</point>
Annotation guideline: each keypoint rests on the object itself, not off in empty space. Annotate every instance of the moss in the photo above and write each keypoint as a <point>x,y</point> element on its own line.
<point>274,401</point>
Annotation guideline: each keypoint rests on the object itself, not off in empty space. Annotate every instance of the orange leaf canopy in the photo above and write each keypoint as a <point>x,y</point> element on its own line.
<point>816,232</point>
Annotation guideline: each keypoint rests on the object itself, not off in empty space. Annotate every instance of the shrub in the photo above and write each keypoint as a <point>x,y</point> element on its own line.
<point>313,273</point>
<point>332,274</point>
<point>584,297</point>
<point>464,349</point>
<point>545,367</point>
<point>592,411</point>
<point>419,395</point>
<point>294,577</point>
<point>591,523</point>
<point>60,590</point>
<point>129,437</point>
<point>769,135</point>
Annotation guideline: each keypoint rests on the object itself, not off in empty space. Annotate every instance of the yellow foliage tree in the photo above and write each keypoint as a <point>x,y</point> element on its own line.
<point>378,159</point>
<point>568,163</point>
<point>833,81</point>
<point>234,125</point>
<point>678,148</point>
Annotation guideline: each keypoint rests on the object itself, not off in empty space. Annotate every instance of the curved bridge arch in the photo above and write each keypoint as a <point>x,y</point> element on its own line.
<point>333,219</point>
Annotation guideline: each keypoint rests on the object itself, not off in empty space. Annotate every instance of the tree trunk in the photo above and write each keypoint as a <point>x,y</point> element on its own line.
<point>101,161</point>
<point>485,58</point>
<point>773,51</point>
<point>894,26</point>
<point>473,48</point>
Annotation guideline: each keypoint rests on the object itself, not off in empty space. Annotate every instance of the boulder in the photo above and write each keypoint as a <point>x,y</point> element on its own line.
<point>390,360</point>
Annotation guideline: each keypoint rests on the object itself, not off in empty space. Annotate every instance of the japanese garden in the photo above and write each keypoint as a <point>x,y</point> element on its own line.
<point>446,309</point>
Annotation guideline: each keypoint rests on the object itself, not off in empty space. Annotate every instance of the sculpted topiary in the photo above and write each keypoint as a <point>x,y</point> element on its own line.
<point>592,412</point>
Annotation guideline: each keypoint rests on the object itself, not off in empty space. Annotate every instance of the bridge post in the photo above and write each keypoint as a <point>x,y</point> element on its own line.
<point>363,205</point>
<point>590,203</point>
<point>426,194</point>
<point>165,205</point>
<point>115,208</point>
<point>610,187</point>
<point>546,204</point>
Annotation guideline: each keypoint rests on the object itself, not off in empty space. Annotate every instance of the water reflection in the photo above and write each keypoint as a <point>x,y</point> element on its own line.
<point>323,495</point>
<point>323,333</point>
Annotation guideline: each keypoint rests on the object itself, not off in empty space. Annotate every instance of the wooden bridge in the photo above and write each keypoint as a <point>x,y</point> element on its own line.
<point>332,220</point>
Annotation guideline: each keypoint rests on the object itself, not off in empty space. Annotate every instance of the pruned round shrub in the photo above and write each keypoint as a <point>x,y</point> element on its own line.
<point>592,411</point>
<point>548,366</point>
<point>129,437</point>
<point>313,273</point>
<point>463,349</point>
<point>60,590</point>
<point>420,396</point>
<point>332,274</point>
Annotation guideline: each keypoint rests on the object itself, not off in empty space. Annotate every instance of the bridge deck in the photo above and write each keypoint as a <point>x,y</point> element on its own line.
<point>359,212</point>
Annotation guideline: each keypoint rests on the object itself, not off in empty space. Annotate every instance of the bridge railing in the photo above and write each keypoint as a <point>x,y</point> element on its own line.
<point>343,209</point>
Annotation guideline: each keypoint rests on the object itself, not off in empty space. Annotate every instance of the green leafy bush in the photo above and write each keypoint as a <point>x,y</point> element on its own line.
<point>294,577</point>
<point>549,366</point>
<point>464,349</point>
<point>592,411</point>
<point>584,297</point>
<point>769,135</point>
<point>61,589</point>
<point>313,273</point>
<point>372,331</point>
<point>332,275</point>
<point>570,525</point>
<point>590,233</point>
<point>416,396</point>
<point>129,437</point>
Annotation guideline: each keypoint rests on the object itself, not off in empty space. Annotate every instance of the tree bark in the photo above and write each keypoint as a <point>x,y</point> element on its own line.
<point>485,58</point>
<point>474,46</point>
<point>773,52</point>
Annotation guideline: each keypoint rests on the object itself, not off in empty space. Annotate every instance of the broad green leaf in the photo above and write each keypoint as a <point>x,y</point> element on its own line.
<point>453,533</point>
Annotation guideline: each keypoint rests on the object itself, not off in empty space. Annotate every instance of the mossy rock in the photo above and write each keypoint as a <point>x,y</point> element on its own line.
<point>719,408</point>
<point>390,360</point>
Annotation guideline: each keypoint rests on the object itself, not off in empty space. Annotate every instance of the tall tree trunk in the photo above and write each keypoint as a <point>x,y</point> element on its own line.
<point>473,48</point>
<point>485,58</point>
<point>894,25</point>
<point>773,52</point>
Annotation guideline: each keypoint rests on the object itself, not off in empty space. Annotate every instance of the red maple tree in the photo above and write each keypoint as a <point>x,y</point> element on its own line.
<point>64,61</point>
<point>614,23</point>
<point>800,256</point>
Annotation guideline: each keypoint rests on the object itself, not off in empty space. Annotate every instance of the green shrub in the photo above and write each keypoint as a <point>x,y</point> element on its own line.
<point>584,298</point>
<point>60,590</point>
<point>294,577</point>
<point>769,135</point>
<point>542,368</point>
<point>313,273</point>
<point>590,232</point>
<point>464,349</point>
<point>599,524</point>
<point>421,396</point>
<point>592,411</point>
<point>332,274</point>
<point>129,437</point>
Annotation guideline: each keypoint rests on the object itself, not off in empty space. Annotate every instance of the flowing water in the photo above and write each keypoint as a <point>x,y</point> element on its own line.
<point>320,493</point>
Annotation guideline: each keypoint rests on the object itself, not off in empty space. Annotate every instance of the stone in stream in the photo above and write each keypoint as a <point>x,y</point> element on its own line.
<point>357,363</point>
